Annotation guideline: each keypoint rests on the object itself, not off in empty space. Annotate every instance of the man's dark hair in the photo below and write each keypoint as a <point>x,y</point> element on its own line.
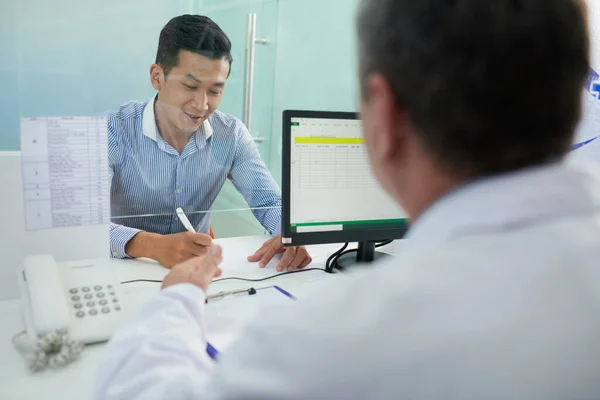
<point>490,86</point>
<point>194,33</point>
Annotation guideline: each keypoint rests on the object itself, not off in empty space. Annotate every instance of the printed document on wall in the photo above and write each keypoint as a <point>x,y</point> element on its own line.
<point>66,178</point>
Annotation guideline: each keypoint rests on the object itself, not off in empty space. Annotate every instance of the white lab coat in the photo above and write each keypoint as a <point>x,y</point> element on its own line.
<point>495,296</point>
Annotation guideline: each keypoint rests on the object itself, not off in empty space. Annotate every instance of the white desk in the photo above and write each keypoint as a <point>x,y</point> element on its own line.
<point>75,381</point>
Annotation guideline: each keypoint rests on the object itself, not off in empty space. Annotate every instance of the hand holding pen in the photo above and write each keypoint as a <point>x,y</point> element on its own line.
<point>173,249</point>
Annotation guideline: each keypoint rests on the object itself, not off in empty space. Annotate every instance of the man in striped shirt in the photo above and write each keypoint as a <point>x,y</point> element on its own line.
<point>177,150</point>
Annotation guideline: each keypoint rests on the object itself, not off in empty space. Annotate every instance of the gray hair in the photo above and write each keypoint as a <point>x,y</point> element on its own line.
<point>491,86</point>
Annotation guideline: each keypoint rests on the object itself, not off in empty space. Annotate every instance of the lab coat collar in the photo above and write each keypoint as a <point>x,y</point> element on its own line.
<point>511,200</point>
<point>151,130</point>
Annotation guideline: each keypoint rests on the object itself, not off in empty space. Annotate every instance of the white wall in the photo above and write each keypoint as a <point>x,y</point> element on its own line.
<point>16,242</point>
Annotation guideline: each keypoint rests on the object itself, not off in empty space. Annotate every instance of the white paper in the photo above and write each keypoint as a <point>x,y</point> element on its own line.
<point>65,171</point>
<point>226,317</point>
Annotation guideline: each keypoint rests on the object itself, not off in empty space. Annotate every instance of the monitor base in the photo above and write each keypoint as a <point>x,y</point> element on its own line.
<point>365,255</point>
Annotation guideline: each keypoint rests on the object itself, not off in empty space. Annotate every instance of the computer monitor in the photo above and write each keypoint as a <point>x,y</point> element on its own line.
<point>330,194</point>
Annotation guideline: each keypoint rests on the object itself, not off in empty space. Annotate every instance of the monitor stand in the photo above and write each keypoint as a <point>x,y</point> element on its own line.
<point>365,255</point>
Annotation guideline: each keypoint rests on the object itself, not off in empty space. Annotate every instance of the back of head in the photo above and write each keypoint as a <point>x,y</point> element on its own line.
<point>195,33</point>
<point>490,86</point>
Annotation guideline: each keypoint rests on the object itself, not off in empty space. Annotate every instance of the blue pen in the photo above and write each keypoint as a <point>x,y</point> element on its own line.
<point>212,352</point>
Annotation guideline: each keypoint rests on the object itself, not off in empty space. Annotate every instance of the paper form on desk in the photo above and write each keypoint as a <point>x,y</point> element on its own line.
<point>225,318</point>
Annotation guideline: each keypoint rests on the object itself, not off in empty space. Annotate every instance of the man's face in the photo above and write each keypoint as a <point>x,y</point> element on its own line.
<point>191,91</point>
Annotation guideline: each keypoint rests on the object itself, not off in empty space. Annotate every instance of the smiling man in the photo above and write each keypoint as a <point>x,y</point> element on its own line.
<point>177,150</point>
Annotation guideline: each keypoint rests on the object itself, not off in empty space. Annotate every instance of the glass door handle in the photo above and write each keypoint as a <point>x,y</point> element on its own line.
<point>251,42</point>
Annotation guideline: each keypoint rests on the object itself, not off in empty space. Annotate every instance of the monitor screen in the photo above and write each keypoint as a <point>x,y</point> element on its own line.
<point>330,193</point>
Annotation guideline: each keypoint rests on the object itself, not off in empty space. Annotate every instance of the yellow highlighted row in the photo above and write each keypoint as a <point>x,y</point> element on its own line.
<point>328,140</point>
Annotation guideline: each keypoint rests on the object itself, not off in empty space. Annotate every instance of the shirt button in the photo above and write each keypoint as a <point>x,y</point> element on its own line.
<point>178,190</point>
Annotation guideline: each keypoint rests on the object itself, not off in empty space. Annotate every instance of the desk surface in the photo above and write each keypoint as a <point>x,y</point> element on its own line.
<point>76,380</point>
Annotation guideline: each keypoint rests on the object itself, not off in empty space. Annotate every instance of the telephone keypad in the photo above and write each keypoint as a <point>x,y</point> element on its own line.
<point>106,299</point>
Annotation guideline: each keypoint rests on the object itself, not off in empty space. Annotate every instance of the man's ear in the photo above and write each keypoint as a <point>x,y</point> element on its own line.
<point>156,76</point>
<point>386,116</point>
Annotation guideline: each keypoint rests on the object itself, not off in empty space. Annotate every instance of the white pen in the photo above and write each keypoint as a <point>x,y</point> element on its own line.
<point>184,220</point>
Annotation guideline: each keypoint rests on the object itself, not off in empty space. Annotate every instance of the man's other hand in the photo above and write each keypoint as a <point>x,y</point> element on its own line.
<point>293,257</point>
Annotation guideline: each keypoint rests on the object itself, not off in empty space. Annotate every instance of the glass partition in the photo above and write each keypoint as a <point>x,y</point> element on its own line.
<point>252,27</point>
<point>64,59</point>
<point>316,62</point>
<point>73,58</point>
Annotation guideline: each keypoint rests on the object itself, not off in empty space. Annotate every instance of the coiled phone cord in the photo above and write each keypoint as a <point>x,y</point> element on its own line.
<point>54,350</point>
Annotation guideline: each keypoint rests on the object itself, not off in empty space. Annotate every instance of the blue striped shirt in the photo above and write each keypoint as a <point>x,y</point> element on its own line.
<point>151,177</point>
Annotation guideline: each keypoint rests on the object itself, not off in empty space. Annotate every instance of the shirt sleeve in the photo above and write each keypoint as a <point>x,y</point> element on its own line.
<point>161,352</point>
<point>253,180</point>
<point>120,235</point>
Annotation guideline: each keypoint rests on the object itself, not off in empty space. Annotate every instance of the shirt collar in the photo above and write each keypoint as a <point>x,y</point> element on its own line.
<point>511,200</point>
<point>151,130</point>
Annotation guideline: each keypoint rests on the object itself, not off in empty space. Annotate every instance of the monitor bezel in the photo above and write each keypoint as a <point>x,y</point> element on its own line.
<point>290,238</point>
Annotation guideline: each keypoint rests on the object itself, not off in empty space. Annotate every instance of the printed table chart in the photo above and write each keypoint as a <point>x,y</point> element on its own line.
<point>66,179</point>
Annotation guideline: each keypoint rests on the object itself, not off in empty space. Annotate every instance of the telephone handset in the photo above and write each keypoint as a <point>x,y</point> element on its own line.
<point>70,303</point>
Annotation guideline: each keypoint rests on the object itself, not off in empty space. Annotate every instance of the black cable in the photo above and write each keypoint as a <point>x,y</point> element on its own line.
<point>330,265</point>
<point>237,278</point>
<point>269,277</point>
<point>383,243</point>
<point>141,280</point>
<point>332,262</point>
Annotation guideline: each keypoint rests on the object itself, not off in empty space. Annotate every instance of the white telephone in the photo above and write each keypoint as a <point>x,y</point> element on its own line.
<point>80,300</point>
